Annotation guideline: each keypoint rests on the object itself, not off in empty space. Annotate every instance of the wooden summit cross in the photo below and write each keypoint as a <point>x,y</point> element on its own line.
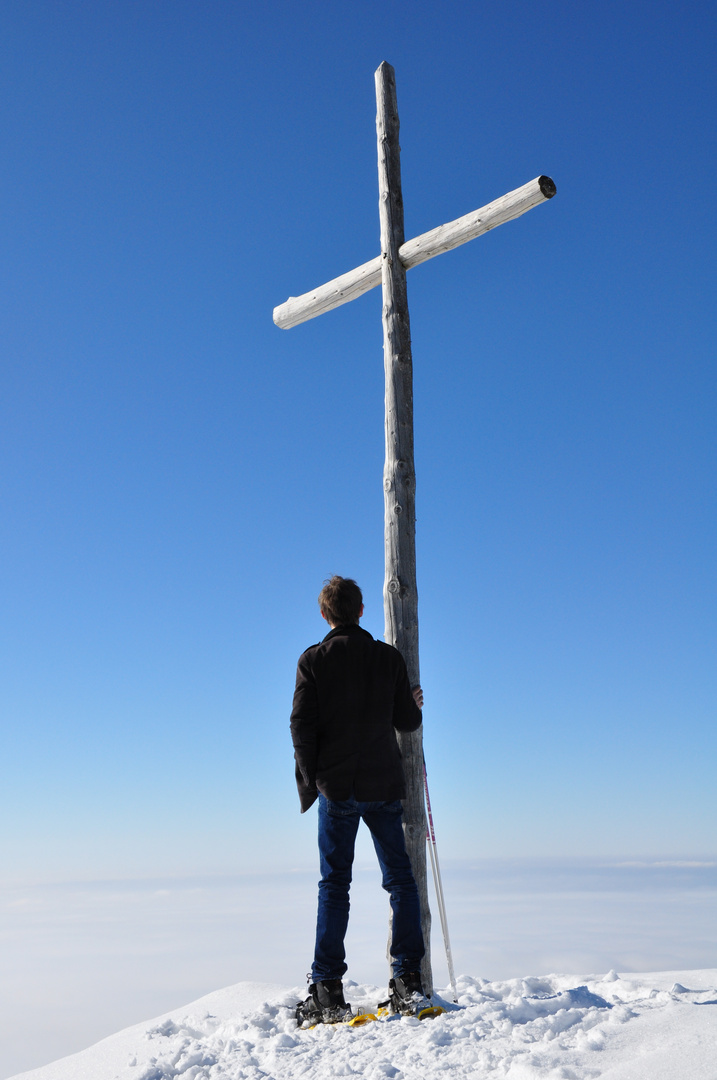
<point>389,268</point>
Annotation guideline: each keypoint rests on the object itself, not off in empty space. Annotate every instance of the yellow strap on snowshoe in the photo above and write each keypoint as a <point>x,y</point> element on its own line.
<point>361,1018</point>
<point>429,1012</point>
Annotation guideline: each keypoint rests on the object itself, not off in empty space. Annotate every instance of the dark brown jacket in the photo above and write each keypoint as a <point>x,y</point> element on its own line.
<point>351,694</point>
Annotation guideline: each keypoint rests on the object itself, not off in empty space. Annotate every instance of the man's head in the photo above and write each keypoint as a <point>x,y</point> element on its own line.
<point>340,601</point>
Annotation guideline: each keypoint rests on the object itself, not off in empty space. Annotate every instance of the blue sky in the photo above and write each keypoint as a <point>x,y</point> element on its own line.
<point>178,476</point>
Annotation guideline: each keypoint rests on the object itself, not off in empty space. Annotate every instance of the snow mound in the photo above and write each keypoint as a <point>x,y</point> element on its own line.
<point>557,1027</point>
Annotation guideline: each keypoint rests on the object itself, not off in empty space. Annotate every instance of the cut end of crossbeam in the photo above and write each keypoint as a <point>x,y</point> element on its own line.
<point>547,186</point>
<point>280,316</point>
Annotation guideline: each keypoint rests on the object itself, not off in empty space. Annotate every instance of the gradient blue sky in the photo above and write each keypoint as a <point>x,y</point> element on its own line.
<point>179,476</point>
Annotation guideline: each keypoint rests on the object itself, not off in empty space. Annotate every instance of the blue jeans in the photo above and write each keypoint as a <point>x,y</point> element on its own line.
<point>338,825</point>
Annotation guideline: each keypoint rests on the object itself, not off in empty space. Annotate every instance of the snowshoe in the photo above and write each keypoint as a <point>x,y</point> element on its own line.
<point>324,1005</point>
<point>407,998</point>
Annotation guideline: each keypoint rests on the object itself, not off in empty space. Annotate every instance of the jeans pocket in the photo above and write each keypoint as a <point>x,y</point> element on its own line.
<point>341,807</point>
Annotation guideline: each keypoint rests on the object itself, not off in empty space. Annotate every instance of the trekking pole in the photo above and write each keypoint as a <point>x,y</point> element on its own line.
<point>433,851</point>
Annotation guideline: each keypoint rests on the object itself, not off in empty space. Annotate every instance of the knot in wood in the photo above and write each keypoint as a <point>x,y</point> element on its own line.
<point>387,484</point>
<point>398,509</point>
<point>394,586</point>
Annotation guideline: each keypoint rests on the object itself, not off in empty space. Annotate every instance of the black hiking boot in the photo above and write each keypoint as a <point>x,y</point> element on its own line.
<point>324,1005</point>
<point>406,994</point>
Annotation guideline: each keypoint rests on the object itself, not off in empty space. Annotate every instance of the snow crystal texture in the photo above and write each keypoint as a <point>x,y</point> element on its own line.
<point>638,1027</point>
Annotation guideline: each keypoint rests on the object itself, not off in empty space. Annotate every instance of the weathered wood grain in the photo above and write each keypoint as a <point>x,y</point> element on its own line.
<point>400,595</point>
<point>340,290</point>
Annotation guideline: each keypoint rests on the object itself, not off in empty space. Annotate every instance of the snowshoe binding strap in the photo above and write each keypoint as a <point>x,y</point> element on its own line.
<point>324,1005</point>
<point>406,997</point>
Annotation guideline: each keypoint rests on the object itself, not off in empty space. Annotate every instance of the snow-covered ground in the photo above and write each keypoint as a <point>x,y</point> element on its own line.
<point>83,960</point>
<point>659,1026</point>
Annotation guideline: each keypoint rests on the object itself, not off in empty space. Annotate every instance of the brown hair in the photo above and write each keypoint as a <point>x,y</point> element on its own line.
<point>341,601</point>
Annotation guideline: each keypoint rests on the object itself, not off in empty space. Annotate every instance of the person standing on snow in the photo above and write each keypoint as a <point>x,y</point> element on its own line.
<point>352,694</point>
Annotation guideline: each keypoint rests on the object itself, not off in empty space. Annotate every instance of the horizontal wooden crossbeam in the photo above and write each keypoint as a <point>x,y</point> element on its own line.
<point>298,309</point>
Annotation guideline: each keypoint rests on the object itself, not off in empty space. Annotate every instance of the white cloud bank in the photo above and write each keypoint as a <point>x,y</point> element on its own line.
<point>83,960</point>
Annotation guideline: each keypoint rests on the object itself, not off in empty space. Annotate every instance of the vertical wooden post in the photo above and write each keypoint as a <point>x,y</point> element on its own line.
<point>400,593</point>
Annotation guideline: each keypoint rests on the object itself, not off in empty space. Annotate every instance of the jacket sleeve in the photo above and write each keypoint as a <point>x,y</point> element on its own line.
<point>304,732</point>
<point>406,714</point>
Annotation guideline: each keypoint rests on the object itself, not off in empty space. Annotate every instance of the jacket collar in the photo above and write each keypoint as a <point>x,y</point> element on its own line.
<point>351,628</point>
